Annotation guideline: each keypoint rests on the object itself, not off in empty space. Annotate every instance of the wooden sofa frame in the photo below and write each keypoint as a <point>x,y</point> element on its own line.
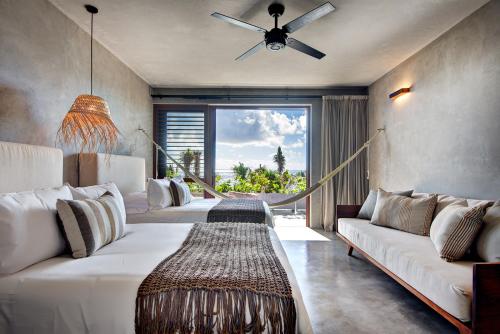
<point>486,288</point>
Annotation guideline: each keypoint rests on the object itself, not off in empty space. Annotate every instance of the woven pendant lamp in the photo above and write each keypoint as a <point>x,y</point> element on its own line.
<point>88,122</point>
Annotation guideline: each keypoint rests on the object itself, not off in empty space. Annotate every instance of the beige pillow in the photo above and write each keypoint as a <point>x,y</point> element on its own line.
<point>413,215</point>
<point>445,200</point>
<point>488,241</point>
<point>454,230</point>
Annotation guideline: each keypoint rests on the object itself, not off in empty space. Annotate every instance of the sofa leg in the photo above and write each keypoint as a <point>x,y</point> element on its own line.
<point>349,250</point>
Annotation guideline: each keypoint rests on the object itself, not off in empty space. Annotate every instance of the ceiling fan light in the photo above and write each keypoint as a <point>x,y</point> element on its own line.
<point>275,46</point>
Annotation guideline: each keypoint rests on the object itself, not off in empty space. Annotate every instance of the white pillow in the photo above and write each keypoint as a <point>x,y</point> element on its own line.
<point>94,192</point>
<point>136,202</point>
<point>159,196</point>
<point>488,242</point>
<point>29,232</point>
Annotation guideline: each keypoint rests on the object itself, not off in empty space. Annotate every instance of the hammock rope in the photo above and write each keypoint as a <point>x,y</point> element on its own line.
<point>288,201</point>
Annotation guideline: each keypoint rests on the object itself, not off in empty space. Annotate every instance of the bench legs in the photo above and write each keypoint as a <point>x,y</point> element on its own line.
<point>349,250</point>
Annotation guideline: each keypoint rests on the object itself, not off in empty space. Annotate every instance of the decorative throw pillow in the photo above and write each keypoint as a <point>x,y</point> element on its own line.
<point>413,215</point>
<point>90,224</point>
<point>454,229</point>
<point>445,200</point>
<point>159,196</point>
<point>180,193</point>
<point>366,211</point>
<point>94,192</point>
<point>488,241</point>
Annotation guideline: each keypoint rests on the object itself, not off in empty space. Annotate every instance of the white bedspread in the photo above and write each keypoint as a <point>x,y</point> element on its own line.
<point>194,212</point>
<point>97,294</point>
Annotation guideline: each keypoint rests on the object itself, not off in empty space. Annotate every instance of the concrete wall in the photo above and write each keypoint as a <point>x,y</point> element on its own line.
<point>315,105</point>
<point>44,65</point>
<point>444,136</point>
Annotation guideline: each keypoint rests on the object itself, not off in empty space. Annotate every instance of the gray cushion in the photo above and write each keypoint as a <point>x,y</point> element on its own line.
<point>488,241</point>
<point>366,211</point>
<point>413,215</point>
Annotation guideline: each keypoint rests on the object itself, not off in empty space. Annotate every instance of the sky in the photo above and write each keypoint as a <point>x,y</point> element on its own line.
<point>253,136</point>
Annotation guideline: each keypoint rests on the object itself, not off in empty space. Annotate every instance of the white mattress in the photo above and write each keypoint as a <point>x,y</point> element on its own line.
<point>97,294</point>
<point>194,212</point>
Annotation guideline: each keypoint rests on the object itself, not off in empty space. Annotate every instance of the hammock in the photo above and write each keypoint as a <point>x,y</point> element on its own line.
<point>288,201</point>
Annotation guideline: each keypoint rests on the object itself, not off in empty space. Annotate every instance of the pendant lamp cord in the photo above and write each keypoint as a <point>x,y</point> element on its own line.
<point>91,49</point>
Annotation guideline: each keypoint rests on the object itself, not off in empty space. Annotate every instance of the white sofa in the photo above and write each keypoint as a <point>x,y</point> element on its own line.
<point>413,261</point>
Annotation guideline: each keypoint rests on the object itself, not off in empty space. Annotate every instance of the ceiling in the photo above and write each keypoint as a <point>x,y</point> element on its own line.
<point>172,43</point>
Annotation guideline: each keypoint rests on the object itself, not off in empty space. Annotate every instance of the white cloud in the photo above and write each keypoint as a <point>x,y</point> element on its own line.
<point>257,128</point>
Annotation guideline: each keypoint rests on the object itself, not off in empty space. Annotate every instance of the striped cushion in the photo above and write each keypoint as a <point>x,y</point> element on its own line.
<point>91,223</point>
<point>413,215</point>
<point>180,193</point>
<point>454,230</point>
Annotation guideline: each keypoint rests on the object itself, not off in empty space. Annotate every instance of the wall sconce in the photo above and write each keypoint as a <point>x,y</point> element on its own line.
<point>399,92</point>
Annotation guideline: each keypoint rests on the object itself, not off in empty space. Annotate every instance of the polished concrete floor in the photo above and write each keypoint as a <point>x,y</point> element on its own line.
<point>349,295</point>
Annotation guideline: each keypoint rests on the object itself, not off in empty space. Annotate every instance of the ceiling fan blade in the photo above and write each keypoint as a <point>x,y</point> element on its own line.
<point>299,46</point>
<point>308,17</point>
<point>238,22</point>
<point>252,51</point>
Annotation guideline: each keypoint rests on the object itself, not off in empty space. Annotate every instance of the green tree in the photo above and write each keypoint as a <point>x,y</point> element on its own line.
<point>280,160</point>
<point>171,172</point>
<point>187,158</point>
<point>240,170</point>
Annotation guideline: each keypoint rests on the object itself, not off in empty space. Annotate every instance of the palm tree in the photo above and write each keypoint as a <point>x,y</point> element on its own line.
<point>197,158</point>
<point>187,158</point>
<point>241,170</point>
<point>280,160</point>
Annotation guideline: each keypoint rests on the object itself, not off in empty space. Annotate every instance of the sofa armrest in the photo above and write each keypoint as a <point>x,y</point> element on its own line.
<point>486,298</point>
<point>347,211</point>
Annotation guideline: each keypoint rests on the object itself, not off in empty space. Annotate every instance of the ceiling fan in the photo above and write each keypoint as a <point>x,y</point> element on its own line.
<point>277,38</point>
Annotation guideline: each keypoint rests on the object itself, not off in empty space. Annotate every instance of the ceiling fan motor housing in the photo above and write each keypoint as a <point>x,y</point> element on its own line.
<point>275,39</point>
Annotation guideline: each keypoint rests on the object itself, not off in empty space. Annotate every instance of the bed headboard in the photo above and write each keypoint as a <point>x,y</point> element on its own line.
<point>26,167</point>
<point>128,173</point>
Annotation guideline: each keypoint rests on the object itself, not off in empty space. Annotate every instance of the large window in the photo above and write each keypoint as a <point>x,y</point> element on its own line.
<point>261,151</point>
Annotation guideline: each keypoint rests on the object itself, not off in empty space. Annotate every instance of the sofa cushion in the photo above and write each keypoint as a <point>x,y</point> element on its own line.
<point>366,211</point>
<point>454,230</point>
<point>445,200</point>
<point>414,259</point>
<point>488,241</point>
<point>413,215</point>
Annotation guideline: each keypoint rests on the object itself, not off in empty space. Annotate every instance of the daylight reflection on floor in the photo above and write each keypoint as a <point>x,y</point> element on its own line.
<point>290,226</point>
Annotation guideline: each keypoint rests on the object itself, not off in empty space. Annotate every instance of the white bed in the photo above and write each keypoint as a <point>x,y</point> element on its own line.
<point>193,212</point>
<point>128,173</point>
<point>94,294</point>
<point>97,294</point>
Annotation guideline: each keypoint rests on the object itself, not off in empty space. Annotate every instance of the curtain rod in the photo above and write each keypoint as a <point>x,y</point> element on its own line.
<point>229,97</point>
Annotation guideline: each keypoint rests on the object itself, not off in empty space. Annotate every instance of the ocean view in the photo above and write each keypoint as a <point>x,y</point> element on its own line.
<point>229,174</point>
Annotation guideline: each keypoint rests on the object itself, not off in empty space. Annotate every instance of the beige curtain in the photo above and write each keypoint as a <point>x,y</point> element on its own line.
<point>344,129</point>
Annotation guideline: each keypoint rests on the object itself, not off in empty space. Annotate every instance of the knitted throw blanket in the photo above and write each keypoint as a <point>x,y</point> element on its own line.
<point>225,278</point>
<point>238,211</point>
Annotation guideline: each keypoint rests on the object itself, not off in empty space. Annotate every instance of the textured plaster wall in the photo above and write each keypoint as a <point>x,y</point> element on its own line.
<point>44,65</point>
<point>444,136</point>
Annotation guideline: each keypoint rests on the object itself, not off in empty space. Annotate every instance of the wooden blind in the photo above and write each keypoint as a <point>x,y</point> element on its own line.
<point>182,134</point>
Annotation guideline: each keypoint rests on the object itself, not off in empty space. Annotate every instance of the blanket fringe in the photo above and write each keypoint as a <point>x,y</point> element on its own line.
<point>206,311</point>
